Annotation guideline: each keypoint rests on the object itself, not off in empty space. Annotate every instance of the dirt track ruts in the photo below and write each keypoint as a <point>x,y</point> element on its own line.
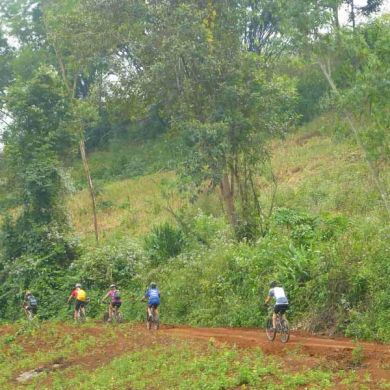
<point>252,338</point>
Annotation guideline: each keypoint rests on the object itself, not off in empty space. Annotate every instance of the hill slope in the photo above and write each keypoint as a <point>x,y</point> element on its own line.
<point>316,169</point>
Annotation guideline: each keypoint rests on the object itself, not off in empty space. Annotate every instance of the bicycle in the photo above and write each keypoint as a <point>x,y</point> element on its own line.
<point>153,321</point>
<point>30,313</point>
<point>282,327</point>
<point>117,315</point>
<point>81,316</point>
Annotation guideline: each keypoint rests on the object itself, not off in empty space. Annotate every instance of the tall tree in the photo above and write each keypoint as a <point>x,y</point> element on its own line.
<point>35,144</point>
<point>224,101</point>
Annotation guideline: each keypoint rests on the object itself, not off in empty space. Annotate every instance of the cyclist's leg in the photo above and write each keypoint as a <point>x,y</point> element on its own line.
<point>77,308</point>
<point>149,311</point>
<point>83,309</point>
<point>115,310</point>
<point>27,312</point>
<point>284,317</point>
<point>275,315</point>
<point>117,307</point>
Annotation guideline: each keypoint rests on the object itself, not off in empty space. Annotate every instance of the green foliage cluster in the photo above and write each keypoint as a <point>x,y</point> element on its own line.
<point>326,269</point>
<point>163,242</point>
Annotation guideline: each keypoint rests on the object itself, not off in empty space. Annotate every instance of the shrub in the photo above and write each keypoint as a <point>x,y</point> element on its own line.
<point>163,242</point>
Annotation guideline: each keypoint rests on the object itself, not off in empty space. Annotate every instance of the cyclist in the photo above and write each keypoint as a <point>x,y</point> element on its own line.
<point>115,302</point>
<point>81,299</point>
<point>153,296</point>
<point>281,302</point>
<point>30,304</point>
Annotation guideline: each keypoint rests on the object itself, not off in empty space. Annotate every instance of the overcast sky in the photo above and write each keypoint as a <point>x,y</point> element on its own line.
<point>344,11</point>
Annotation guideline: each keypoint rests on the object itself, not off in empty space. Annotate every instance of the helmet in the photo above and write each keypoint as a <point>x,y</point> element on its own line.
<point>153,285</point>
<point>28,293</point>
<point>273,284</point>
<point>78,285</point>
<point>112,286</point>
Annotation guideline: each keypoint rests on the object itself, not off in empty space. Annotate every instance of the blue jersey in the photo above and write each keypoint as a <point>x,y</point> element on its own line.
<point>154,296</point>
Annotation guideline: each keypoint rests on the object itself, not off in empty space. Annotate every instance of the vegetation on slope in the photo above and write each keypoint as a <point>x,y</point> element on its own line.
<point>186,123</point>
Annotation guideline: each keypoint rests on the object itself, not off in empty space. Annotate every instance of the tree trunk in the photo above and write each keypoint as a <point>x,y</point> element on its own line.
<point>353,15</point>
<point>336,21</point>
<point>72,95</point>
<point>90,186</point>
<point>227,193</point>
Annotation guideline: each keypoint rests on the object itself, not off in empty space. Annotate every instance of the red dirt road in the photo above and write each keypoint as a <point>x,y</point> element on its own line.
<point>335,353</point>
<point>304,351</point>
<point>252,338</point>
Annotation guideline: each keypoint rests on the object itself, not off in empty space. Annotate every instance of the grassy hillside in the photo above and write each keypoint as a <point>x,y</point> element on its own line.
<point>327,242</point>
<point>318,169</point>
<point>128,206</point>
<point>327,237</point>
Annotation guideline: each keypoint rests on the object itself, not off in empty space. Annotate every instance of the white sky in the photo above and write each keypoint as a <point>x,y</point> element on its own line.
<point>343,13</point>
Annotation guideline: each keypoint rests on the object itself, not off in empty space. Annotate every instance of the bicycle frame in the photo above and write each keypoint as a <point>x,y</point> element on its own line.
<point>282,327</point>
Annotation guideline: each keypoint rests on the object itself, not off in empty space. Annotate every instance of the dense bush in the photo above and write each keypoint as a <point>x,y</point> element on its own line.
<point>335,272</point>
<point>96,268</point>
<point>163,242</point>
<point>327,271</point>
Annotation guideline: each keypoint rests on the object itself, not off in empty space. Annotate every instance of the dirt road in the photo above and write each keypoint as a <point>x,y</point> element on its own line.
<point>370,362</point>
<point>338,353</point>
<point>251,338</point>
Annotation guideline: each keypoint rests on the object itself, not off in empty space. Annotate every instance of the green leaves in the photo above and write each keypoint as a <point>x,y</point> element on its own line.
<point>34,145</point>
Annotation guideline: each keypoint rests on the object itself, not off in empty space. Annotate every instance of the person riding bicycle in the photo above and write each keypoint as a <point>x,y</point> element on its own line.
<point>281,302</point>
<point>30,304</point>
<point>115,302</point>
<point>153,296</point>
<point>81,300</point>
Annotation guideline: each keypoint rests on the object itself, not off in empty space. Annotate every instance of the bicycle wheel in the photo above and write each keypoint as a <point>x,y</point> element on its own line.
<point>284,331</point>
<point>270,331</point>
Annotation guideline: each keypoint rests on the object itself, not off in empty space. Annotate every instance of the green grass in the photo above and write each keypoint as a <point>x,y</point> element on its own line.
<point>147,361</point>
<point>318,169</point>
<point>93,356</point>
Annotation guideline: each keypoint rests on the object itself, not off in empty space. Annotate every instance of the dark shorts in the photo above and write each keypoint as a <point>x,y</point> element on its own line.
<point>79,304</point>
<point>153,305</point>
<point>33,309</point>
<point>116,304</point>
<point>280,308</point>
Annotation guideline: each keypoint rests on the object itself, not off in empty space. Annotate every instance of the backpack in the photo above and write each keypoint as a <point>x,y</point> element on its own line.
<point>81,295</point>
<point>32,301</point>
<point>117,295</point>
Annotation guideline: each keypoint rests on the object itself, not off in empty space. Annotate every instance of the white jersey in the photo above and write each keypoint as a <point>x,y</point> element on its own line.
<point>279,295</point>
